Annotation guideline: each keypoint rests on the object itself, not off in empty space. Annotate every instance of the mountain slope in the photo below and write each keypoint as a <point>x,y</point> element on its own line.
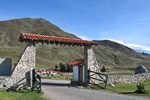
<point>47,55</point>
<point>108,53</point>
<point>118,55</point>
<point>11,30</point>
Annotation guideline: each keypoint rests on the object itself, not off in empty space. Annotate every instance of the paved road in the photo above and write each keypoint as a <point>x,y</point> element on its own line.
<point>61,90</point>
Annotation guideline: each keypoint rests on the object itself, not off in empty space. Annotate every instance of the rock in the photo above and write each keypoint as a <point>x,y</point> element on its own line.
<point>140,69</point>
<point>112,85</point>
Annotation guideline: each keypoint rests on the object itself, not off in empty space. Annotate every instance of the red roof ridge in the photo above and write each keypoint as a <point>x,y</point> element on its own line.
<point>76,62</point>
<point>36,37</point>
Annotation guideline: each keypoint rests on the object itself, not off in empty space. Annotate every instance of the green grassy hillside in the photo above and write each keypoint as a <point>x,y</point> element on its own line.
<point>47,56</point>
<point>110,53</point>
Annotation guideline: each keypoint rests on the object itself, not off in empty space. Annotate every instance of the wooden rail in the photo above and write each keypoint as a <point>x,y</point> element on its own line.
<point>102,79</point>
<point>36,81</point>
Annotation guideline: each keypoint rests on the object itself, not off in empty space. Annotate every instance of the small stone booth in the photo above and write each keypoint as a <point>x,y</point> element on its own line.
<point>22,73</point>
<point>78,71</point>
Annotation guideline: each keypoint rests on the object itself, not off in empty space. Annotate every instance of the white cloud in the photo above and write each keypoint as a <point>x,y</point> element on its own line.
<point>84,37</point>
<point>133,46</point>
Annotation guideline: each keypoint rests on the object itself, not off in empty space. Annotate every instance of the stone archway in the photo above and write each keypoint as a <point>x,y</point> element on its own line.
<point>22,73</point>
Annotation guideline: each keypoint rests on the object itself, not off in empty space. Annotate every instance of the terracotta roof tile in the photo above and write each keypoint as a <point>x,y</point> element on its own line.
<point>26,36</point>
<point>77,62</point>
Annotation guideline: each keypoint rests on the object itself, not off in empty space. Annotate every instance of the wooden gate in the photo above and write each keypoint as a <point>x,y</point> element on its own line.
<point>98,79</point>
<point>36,81</point>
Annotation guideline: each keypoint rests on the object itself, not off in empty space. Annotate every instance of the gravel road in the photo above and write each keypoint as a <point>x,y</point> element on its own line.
<point>61,90</point>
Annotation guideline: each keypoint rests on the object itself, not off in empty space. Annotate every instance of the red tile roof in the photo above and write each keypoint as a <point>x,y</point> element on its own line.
<point>77,62</point>
<point>45,38</point>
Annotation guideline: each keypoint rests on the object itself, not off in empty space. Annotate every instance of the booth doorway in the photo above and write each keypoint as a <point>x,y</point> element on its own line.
<point>80,75</point>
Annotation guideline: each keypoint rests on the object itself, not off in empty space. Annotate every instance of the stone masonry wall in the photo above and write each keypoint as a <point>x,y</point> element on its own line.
<point>90,61</point>
<point>122,79</point>
<point>22,73</point>
<point>3,80</point>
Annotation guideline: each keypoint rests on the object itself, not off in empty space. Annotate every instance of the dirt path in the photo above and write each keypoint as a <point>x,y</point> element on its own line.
<point>61,90</point>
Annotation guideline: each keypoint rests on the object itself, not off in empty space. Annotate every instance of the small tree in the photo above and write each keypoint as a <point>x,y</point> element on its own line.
<point>69,68</point>
<point>56,67</point>
<point>103,69</point>
<point>62,67</point>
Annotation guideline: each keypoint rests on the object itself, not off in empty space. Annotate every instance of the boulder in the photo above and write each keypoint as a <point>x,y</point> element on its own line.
<point>140,69</point>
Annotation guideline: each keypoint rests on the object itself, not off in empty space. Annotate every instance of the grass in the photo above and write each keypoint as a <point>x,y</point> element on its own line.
<point>58,77</point>
<point>21,95</point>
<point>129,88</point>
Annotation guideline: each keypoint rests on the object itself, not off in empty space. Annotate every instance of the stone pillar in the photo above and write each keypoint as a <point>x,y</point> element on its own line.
<point>90,62</point>
<point>22,73</point>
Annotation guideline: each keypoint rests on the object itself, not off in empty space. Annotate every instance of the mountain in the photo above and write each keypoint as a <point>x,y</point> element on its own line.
<point>117,55</point>
<point>147,54</point>
<point>46,55</point>
<point>108,53</point>
<point>142,51</point>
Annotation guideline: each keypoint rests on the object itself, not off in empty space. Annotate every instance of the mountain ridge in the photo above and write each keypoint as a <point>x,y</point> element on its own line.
<point>47,56</point>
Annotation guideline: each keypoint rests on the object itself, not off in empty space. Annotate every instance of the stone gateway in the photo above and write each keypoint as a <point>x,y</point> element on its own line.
<point>22,73</point>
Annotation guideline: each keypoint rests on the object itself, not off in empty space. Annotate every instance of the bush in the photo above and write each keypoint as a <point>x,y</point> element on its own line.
<point>141,88</point>
<point>103,69</point>
<point>69,68</point>
<point>62,67</point>
<point>56,67</point>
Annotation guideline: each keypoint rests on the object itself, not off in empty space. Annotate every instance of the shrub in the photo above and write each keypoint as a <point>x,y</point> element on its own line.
<point>56,67</point>
<point>141,88</point>
<point>69,68</point>
<point>103,69</point>
<point>62,67</point>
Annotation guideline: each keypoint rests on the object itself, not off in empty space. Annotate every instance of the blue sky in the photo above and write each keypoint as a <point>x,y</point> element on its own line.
<point>124,21</point>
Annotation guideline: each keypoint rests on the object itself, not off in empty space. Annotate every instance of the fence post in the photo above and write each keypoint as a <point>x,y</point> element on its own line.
<point>88,76</point>
<point>33,78</point>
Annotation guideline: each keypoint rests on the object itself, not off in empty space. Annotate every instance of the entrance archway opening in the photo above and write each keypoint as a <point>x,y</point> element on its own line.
<point>23,75</point>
